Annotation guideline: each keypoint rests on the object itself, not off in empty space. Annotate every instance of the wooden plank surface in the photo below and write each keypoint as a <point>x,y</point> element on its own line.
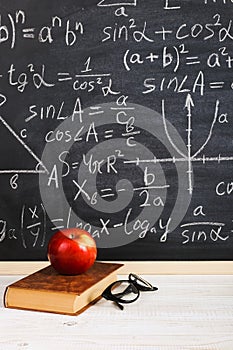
<point>144,267</point>
<point>186,313</point>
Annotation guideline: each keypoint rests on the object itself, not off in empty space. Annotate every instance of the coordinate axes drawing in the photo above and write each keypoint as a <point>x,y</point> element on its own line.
<point>188,157</point>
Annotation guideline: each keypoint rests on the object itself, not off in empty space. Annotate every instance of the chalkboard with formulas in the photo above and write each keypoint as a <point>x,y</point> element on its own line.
<point>116,117</point>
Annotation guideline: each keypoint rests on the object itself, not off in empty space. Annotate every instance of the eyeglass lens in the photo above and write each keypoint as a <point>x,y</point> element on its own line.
<point>124,291</point>
<point>140,283</point>
<point>127,291</point>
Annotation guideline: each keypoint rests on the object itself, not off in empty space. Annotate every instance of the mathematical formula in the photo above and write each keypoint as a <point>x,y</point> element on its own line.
<point>121,126</point>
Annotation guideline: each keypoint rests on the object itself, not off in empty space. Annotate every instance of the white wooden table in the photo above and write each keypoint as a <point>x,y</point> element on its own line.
<point>187,313</point>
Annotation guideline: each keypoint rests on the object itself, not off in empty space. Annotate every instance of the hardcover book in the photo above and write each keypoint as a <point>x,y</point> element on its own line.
<point>47,290</point>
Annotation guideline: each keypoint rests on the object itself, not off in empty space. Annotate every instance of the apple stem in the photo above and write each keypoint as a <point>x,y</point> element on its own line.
<point>72,236</point>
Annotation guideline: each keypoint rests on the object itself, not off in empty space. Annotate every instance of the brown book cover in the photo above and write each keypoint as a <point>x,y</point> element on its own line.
<point>47,290</point>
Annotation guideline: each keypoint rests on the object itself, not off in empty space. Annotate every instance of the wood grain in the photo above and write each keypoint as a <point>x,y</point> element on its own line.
<point>143,267</point>
<point>186,313</point>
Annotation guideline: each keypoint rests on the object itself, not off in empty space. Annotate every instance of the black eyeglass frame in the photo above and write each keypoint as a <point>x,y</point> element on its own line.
<point>133,287</point>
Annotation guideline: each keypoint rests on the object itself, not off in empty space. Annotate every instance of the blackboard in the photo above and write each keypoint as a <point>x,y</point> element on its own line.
<point>116,116</point>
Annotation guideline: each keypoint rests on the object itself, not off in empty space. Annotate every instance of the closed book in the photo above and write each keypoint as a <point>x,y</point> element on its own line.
<point>47,290</point>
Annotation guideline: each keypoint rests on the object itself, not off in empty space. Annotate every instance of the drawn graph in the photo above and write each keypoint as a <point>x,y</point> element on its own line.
<point>189,158</point>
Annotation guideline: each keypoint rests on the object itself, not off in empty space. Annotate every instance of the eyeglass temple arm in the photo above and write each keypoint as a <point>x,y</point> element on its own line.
<point>121,307</point>
<point>127,290</point>
<point>148,286</point>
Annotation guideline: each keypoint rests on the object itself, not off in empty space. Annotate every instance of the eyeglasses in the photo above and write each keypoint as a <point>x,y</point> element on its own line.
<point>127,291</point>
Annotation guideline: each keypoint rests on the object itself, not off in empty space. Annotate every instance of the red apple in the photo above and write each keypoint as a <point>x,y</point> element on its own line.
<point>72,251</point>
